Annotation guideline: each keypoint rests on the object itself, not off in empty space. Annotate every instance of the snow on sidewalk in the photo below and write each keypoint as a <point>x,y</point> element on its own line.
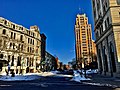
<point>25,77</point>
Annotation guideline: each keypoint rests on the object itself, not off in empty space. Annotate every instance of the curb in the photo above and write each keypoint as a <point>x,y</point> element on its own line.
<point>100,84</point>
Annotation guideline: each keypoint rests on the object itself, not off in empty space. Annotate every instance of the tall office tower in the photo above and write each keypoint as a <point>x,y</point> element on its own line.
<point>83,39</point>
<point>107,31</point>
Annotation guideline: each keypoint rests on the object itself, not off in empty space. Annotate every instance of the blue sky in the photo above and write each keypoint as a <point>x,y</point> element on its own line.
<point>55,18</point>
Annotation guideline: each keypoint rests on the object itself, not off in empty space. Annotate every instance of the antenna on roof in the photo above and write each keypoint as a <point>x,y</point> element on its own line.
<point>80,10</point>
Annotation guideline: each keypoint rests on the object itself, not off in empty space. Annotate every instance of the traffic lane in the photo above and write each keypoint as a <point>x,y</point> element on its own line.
<point>49,83</point>
<point>52,86</point>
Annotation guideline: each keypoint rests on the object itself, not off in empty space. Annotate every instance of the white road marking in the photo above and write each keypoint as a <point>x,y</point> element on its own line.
<point>5,85</point>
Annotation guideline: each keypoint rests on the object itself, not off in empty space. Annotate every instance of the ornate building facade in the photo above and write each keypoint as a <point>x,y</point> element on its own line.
<point>20,48</point>
<point>83,39</point>
<point>107,32</point>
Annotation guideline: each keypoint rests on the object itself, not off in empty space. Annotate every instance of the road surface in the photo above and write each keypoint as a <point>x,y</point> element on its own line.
<point>49,83</point>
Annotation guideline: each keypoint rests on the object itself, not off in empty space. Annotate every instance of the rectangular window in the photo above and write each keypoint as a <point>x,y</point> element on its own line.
<point>21,47</point>
<point>83,36</point>
<point>14,35</point>
<point>8,58</point>
<point>36,50</point>
<point>13,45</point>
<point>5,42</point>
<point>10,45</point>
<point>28,40</point>
<point>105,25</point>
<point>33,50</point>
<point>13,26</point>
<point>12,63</point>
<point>104,9</point>
<point>21,38</point>
<point>118,2</point>
<point>4,31</point>
<point>83,44</point>
<point>11,35</point>
<point>33,34</point>
<point>28,49</point>
<point>0,42</point>
<point>108,22</point>
<point>29,32</point>
<point>33,42</point>
<point>5,22</point>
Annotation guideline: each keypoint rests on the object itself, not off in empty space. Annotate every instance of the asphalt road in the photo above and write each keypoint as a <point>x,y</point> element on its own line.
<point>49,83</point>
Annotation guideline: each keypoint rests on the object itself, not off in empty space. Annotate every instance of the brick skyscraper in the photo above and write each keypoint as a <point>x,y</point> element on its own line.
<point>83,39</point>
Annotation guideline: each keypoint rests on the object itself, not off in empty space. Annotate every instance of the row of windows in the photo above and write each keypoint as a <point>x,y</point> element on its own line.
<point>31,50</point>
<point>30,41</point>
<point>20,28</point>
<point>19,47</point>
<point>106,23</point>
<point>105,6</point>
<point>30,62</point>
<point>13,25</point>
<point>13,35</point>
<point>31,33</point>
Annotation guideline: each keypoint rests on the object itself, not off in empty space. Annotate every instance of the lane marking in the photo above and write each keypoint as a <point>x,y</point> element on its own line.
<point>5,85</point>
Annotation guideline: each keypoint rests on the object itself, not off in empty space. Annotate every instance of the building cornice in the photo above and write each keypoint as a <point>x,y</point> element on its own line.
<point>19,32</point>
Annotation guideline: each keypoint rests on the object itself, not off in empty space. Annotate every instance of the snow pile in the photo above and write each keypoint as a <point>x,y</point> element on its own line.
<point>94,71</point>
<point>61,75</point>
<point>47,74</point>
<point>78,78</point>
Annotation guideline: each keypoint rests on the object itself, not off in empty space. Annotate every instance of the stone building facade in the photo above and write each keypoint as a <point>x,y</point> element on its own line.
<point>20,48</point>
<point>107,33</point>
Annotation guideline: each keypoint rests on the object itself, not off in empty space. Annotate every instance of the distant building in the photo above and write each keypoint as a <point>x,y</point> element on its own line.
<point>50,62</point>
<point>43,50</point>
<point>72,63</point>
<point>107,33</point>
<point>83,41</point>
<point>94,47</point>
<point>61,66</point>
<point>66,67</point>
<point>20,48</point>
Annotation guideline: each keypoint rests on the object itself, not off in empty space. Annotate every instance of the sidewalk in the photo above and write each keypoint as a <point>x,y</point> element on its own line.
<point>101,80</point>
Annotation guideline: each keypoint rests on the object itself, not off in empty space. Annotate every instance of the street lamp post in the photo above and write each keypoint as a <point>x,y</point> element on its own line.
<point>84,59</point>
<point>85,67</point>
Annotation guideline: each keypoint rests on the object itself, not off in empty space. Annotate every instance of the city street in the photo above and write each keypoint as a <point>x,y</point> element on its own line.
<point>49,83</point>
